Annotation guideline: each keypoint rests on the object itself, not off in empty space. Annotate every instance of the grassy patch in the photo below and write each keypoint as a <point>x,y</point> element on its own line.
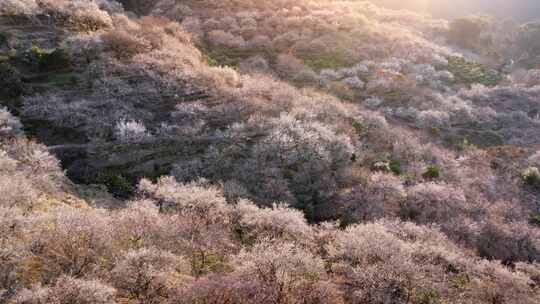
<point>469,73</point>
<point>432,172</point>
<point>395,167</point>
<point>203,262</point>
<point>430,296</point>
<point>318,62</point>
<point>63,80</point>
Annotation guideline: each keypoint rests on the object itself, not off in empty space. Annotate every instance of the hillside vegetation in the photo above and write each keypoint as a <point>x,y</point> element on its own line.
<point>266,152</point>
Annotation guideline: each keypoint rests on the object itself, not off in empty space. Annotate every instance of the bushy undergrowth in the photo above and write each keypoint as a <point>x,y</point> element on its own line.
<point>183,243</point>
<point>300,175</point>
<point>355,50</point>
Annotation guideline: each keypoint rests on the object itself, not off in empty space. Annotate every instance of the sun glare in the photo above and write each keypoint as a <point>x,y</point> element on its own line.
<point>417,5</point>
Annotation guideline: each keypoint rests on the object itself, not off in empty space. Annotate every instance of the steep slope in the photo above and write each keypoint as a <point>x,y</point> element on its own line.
<point>128,100</point>
<point>400,63</point>
<point>183,243</point>
<point>143,103</point>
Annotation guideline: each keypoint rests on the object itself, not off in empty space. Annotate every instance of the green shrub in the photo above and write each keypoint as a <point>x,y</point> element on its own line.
<point>432,172</point>
<point>395,167</point>
<point>435,131</point>
<point>407,213</point>
<point>385,163</point>
<point>358,127</point>
<point>469,73</point>
<point>36,51</point>
<point>5,37</point>
<point>531,177</point>
<point>204,262</point>
<point>50,61</point>
<point>535,219</point>
<point>57,60</point>
<point>464,144</point>
<point>61,80</point>
<point>117,185</point>
<point>310,212</point>
<point>10,81</point>
<point>140,7</point>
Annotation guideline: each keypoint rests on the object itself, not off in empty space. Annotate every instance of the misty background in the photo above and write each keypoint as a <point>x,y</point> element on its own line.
<point>519,10</point>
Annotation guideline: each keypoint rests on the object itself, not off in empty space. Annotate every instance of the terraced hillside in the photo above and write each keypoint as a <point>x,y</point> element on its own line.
<point>264,152</point>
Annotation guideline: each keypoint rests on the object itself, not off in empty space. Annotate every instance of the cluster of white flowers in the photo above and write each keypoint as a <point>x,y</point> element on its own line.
<point>18,7</point>
<point>9,125</point>
<point>130,131</point>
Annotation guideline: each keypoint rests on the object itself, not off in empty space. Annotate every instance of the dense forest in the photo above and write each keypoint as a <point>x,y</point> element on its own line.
<point>255,151</point>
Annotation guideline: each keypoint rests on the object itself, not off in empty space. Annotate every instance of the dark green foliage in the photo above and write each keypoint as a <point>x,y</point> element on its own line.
<point>49,61</point>
<point>4,38</point>
<point>358,127</point>
<point>346,219</point>
<point>469,73</point>
<point>61,80</point>
<point>395,167</point>
<point>432,172</point>
<point>535,219</point>
<point>56,60</point>
<point>10,81</point>
<point>117,184</point>
<point>244,237</point>
<point>310,212</point>
<point>407,213</point>
<point>140,7</point>
<point>532,180</point>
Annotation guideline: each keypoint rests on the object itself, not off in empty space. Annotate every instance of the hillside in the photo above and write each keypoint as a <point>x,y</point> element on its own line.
<point>257,151</point>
